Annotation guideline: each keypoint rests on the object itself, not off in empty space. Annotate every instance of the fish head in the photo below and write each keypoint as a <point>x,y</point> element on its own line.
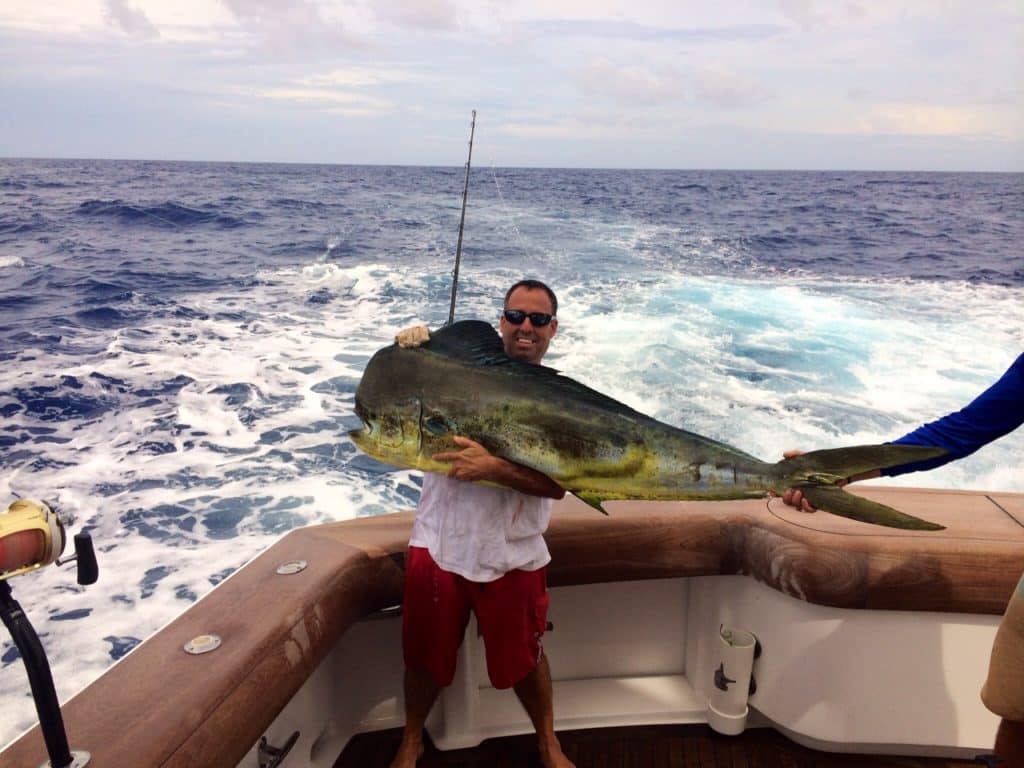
<point>390,431</point>
<point>390,409</point>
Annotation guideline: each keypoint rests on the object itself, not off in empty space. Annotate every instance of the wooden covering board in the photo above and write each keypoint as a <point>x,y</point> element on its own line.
<point>159,706</point>
<point>971,567</point>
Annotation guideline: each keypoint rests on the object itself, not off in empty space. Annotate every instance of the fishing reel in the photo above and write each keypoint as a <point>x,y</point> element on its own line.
<point>32,536</point>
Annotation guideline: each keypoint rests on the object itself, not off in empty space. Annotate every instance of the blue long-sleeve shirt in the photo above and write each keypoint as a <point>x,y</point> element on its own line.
<point>995,412</point>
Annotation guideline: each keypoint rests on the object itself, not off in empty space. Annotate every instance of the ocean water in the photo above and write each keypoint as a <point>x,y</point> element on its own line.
<point>181,342</point>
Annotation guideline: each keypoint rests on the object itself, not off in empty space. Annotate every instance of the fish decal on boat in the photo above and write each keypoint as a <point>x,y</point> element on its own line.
<point>412,401</point>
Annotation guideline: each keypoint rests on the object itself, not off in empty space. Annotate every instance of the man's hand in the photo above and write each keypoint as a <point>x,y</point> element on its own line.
<point>413,337</point>
<point>472,462</point>
<point>794,497</point>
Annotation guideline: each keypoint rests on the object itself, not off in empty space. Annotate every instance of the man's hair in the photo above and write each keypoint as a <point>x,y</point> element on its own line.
<point>534,285</point>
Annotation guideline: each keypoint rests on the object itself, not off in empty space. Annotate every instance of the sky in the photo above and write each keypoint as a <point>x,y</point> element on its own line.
<point>737,84</point>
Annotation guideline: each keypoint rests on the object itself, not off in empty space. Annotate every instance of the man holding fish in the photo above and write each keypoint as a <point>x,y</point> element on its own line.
<point>481,548</point>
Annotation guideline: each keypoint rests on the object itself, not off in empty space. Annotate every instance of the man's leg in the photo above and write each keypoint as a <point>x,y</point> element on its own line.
<point>420,694</point>
<point>512,613</point>
<point>435,612</point>
<point>534,692</point>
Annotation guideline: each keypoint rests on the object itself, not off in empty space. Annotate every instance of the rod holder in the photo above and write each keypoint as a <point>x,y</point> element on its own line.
<point>732,681</point>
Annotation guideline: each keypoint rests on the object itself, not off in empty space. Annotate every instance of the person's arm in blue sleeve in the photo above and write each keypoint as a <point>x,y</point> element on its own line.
<point>995,412</point>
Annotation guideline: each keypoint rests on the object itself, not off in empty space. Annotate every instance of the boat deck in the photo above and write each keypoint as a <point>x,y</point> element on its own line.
<point>653,746</point>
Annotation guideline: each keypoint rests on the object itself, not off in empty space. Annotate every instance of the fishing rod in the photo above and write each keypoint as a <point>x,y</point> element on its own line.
<point>462,224</point>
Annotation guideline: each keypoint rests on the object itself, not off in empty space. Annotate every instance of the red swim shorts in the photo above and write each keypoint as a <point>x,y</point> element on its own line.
<point>511,613</point>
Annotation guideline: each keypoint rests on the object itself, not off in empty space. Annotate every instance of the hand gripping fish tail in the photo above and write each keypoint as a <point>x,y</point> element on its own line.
<point>819,475</point>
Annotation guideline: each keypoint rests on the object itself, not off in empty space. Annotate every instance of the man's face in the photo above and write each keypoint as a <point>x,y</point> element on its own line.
<point>527,342</point>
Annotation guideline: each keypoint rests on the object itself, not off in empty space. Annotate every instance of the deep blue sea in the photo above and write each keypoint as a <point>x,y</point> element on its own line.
<point>181,341</point>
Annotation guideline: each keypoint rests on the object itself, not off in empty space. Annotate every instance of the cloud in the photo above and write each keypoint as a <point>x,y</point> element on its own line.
<point>727,90</point>
<point>336,100</point>
<point>291,26</point>
<point>643,86</point>
<point>359,77</point>
<point>431,15</point>
<point>629,84</point>
<point>351,91</point>
<point>621,29</point>
<point>132,21</point>
<point>802,12</point>
<point>586,124</point>
<point>909,119</point>
<point>927,120</point>
<point>812,14</point>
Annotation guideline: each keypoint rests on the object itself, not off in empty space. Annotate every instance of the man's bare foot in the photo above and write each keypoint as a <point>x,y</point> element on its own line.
<point>409,751</point>
<point>551,756</point>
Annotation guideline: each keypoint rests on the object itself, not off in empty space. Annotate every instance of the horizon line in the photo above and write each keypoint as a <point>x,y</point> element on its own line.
<point>508,167</point>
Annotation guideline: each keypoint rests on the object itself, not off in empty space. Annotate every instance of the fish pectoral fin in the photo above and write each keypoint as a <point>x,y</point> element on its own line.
<point>839,502</point>
<point>593,500</point>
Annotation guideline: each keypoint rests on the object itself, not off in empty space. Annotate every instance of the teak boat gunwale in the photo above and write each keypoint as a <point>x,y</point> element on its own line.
<point>161,707</point>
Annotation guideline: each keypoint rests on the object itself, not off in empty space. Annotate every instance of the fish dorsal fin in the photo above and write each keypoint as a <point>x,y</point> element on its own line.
<point>472,341</point>
<point>477,343</point>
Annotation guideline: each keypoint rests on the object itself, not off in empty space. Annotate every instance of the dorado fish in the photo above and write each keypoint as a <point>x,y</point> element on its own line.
<point>413,401</point>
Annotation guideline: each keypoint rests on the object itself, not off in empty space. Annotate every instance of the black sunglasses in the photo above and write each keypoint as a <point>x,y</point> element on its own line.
<point>538,319</point>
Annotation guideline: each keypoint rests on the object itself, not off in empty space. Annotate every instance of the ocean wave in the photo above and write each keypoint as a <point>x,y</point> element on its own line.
<point>106,317</point>
<point>55,403</point>
<point>900,180</point>
<point>169,214</point>
<point>289,203</point>
<point>17,300</point>
<point>20,227</point>
<point>93,290</point>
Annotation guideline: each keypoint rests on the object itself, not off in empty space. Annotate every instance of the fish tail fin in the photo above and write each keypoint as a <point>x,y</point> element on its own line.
<point>837,501</point>
<point>819,475</point>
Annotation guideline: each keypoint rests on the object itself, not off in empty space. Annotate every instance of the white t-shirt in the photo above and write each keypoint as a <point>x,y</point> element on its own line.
<point>480,532</point>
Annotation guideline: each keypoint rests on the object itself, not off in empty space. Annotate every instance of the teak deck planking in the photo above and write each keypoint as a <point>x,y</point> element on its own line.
<point>661,746</point>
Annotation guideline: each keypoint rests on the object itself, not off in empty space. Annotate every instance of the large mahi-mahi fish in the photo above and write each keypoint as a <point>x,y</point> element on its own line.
<point>461,382</point>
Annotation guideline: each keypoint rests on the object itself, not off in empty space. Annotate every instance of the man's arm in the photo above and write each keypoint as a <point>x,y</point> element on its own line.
<point>473,463</point>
